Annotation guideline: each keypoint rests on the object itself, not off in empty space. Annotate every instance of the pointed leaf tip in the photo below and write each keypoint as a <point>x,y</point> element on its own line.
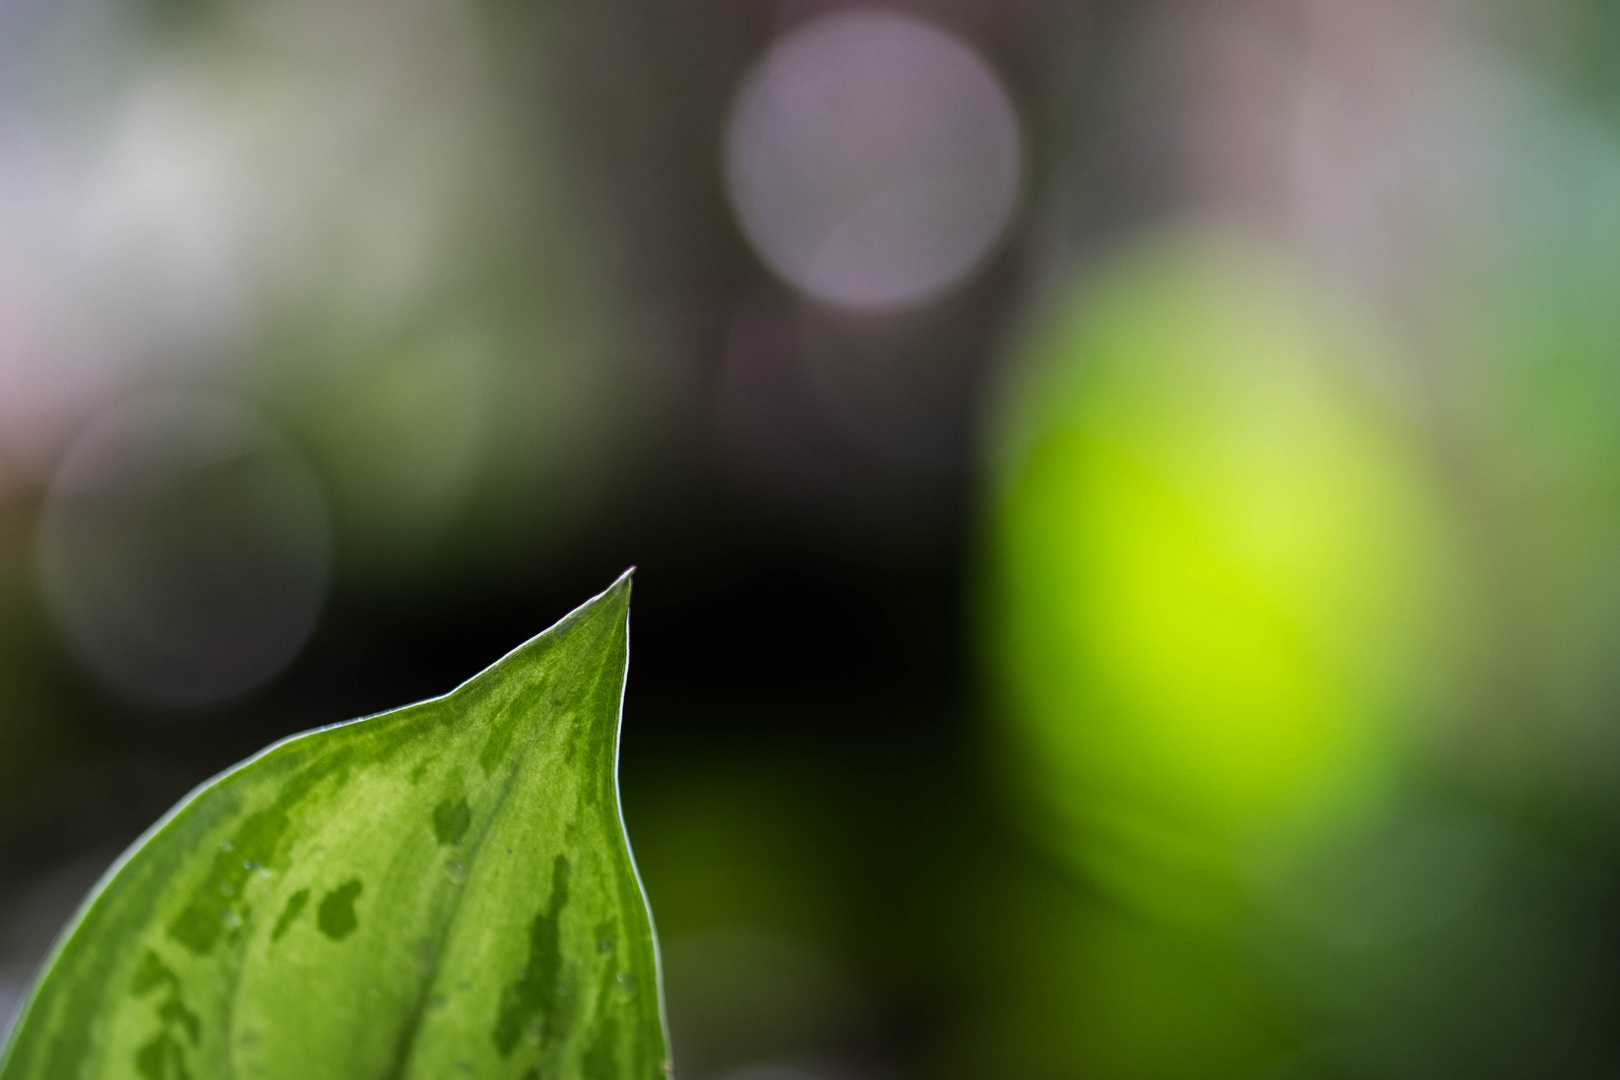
<point>439,890</point>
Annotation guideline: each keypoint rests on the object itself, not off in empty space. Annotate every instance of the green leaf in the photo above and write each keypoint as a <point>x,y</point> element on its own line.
<point>441,891</point>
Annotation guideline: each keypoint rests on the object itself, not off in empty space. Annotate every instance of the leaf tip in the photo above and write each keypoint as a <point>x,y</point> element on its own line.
<point>617,594</point>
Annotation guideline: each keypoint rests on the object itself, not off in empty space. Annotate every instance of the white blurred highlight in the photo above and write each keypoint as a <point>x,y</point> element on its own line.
<point>120,265</point>
<point>306,165</point>
<point>873,159</point>
<point>184,550</point>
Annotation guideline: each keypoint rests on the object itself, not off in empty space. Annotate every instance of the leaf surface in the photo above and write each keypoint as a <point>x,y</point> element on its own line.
<point>437,892</point>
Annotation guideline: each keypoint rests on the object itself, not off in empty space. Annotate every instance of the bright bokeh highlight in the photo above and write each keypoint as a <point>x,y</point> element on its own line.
<point>1227,587</point>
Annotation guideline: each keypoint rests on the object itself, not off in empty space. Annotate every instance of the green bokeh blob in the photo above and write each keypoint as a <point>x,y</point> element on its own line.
<point>1226,588</point>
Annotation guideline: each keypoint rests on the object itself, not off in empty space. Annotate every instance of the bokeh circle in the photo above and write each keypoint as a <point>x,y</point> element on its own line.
<point>873,159</point>
<point>184,550</point>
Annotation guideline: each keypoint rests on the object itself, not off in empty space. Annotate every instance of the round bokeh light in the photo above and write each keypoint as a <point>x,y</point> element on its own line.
<point>1230,592</point>
<point>873,159</point>
<point>184,550</point>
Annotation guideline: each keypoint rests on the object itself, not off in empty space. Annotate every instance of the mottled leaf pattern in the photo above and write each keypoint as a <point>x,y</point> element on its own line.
<point>438,892</point>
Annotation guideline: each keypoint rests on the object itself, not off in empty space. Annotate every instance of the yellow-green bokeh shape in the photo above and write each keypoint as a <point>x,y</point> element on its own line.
<point>1224,584</point>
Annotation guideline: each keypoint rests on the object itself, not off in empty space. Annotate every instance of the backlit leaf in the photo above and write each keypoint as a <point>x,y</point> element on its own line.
<point>436,892</point>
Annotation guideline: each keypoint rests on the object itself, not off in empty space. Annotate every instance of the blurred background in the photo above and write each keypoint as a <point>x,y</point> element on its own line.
<point>1126,493</point>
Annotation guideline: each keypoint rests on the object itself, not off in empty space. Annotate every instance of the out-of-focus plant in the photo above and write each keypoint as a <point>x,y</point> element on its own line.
<point>1228,586</point>
<point>441,890</point>
<point>1231,606</point>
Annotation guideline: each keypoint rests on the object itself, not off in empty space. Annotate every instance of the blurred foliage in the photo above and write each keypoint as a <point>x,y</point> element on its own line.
<point>1229,594</point>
